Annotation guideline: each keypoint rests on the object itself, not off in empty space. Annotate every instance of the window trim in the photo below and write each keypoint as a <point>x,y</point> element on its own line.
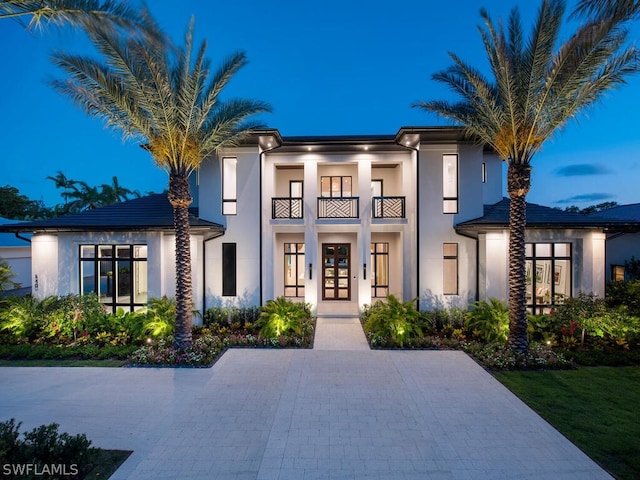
<point>299,288</point>
<point>375,258</point>
<point>457,268</point>
<point>114,304</point>
<point>533,304</point>
<point>446,180</point>
<point>229,269</point>
<point>229,203</point>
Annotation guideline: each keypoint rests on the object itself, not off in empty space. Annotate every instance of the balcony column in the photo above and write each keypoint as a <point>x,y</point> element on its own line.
<point>310,206</point>
<point>364,234</point>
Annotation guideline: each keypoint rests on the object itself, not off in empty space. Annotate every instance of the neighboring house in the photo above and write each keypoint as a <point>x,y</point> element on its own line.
<point>623,243</point>
<point>338,222</point>
<point>16,251</point>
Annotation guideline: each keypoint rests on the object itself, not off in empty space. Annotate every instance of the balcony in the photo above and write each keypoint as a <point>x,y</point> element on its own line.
<point>388,207</point>
<point>286,207</point>
<point>338,207</point>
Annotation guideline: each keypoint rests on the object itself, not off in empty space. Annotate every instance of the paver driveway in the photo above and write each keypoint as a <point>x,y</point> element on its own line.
<point>302,414</point>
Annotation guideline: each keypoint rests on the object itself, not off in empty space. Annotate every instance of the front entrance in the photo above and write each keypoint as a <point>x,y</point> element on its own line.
<point>336,271</point>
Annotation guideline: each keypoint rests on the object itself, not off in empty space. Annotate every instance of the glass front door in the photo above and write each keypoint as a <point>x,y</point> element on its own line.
<point>336,271</point>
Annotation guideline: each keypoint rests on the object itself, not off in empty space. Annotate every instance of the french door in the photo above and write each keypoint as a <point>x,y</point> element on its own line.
<point>336,271</point>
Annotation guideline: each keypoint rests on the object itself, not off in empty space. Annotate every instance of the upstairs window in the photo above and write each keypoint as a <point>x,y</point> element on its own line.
<point>229,186</point>
<point>335,186</point>
<point>450,183</point>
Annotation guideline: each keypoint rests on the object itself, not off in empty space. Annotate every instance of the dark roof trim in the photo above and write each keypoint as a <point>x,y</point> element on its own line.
<point>150,213</point>
<point>496,217</point>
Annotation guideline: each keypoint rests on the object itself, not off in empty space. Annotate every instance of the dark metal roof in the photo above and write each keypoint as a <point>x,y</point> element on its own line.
<point>621,212</point>
<point>538,216</point>
<point>153,212</point>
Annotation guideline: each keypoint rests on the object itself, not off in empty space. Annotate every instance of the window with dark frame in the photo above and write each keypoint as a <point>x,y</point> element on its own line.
<point>336,186</point>
<point>294,270</point>
<point>229,270</point>
<point>617,273</point>
<point>117,274</point>
<point>450,268</point>
<point>379,269</point>
<point>548,275</point>
<point>450,183</point>
<point>229,186</point>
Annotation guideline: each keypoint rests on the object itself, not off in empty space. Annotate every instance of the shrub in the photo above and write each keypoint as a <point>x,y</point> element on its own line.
<point>226,317</point>
<point>393,319</point>
<point>489,320</point>
<point>444,320</point>
<point>624,295</point>
<point>281,316</point>
<point>161,317</point>
<point>45,448</point>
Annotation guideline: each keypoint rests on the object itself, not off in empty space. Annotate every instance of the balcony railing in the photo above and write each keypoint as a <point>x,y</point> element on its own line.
<point>388,207</point>
<point>338,207</point>
<point>286,207</point>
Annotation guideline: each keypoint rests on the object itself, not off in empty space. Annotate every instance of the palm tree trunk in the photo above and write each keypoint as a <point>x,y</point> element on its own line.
<point>180,198</point>
<point>518,184</point>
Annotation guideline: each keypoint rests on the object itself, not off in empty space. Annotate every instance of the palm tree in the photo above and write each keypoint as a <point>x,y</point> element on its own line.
<point>168,100</point>
<point>620,9</point>
<point>73,12</point>
<point>67,185</point>
<point>534,92</point>
<point>114,193</point>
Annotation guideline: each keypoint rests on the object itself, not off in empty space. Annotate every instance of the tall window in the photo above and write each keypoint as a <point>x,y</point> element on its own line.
<point>548,274</point>
<point>116,273</point>
<point>229,186</point>
<point>335,186</point>
<point>296,189</point>
<point>484,172</point>
<point>228,269</point>
<point>294,269</point>
<point>450,183</point>
<point>450,268</point>
<point>380,269</point>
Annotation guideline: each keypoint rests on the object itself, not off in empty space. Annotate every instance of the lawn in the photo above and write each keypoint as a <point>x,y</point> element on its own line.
<point>597,408</point>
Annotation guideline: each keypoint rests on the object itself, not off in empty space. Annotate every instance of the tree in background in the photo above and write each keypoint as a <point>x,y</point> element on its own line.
<point>15,206</point>
<point>167,99</point>
<point>600,207</point>
<point>535,89</point>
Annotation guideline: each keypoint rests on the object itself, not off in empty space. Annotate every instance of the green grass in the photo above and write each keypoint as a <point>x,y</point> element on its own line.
<point>62,363</point>
<point>597,408</point>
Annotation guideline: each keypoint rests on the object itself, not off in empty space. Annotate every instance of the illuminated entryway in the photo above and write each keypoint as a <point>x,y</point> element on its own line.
<point>336,271</point>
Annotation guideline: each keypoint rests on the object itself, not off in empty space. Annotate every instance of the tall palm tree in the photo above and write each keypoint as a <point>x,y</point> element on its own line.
<point>67,185</point>
<point>73,12</point>
<point>620,9</point>
<point>168,100</point>
<point>114,193</point>
<point>536,88</point>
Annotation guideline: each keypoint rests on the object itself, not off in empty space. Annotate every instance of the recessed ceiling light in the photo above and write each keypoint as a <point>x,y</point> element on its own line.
<point>366,147</point>
<point>309,148</point>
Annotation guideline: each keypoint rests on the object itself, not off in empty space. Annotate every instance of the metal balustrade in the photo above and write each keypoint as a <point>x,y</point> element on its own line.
<point>286,207</point>
<point>388,207</point>
<point>338,207</point>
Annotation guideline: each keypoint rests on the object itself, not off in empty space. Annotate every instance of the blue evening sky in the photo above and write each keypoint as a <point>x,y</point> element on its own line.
<point>336,67</point>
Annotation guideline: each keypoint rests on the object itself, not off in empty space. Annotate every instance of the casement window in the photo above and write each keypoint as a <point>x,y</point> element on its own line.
<point>450,268</point>
<point>450,183</point>
<point>294,269</point>
<point>229,186</point>
<point>335,186</point>
<point>117,274</point>
<point>229,270</point>
<point>617,273</point>
<point>548,275</point>
<point>379,269</point>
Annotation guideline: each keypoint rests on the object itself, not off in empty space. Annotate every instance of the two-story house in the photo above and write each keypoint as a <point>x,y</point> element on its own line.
<point>337,222</point>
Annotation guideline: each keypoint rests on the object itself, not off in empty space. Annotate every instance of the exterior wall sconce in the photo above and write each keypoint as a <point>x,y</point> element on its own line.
<point>310,276</point>
<point>35,284</point>
<point>365,271</point>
